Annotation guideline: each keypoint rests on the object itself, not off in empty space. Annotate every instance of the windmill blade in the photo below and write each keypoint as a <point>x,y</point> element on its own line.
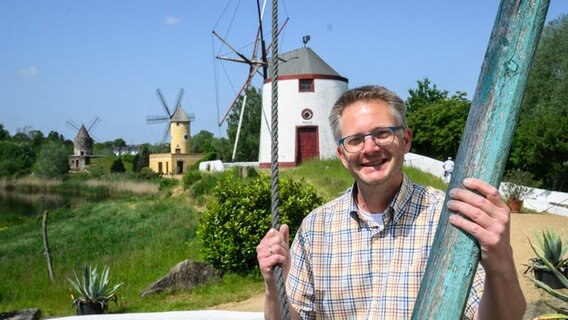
<point>165,136</point>
<point>245,59</point>
<point>260,34</point>
<point>164,104</point>
<point>244,89</point>
<point>94,123</point>
<point>72,124</point>
<point>191,117</point>
<point>156,119</point>
<point>180,95</point>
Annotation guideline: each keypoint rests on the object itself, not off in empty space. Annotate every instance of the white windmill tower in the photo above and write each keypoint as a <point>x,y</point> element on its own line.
<point>307,89</point>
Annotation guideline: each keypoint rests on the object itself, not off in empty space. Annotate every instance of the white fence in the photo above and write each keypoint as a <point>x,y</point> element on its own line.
<point>539,200</point>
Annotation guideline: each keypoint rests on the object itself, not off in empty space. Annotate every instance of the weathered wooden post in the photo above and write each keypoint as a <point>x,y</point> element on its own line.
<point>47,251</point>
<point>483,151</point>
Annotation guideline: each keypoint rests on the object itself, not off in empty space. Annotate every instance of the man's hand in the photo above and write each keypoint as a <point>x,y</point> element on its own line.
<point>273,249</point>
<point>487,220</point>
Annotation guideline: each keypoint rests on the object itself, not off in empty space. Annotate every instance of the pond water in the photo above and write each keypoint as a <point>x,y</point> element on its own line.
<point>32,204</point>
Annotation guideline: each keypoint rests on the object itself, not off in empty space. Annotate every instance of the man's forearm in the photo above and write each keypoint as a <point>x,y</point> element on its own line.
<point>272,305</point>
<point>502,298</point>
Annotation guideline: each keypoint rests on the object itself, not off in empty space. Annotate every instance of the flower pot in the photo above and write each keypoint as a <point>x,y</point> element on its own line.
<point>515,205</point>
<point>548,278</point>
<point>89,308</point>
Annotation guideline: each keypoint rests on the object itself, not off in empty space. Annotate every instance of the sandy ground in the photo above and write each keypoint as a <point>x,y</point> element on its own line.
<point>522,226</point>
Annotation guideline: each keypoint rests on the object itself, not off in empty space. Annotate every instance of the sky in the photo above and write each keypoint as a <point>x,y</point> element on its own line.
<point>76,61</point>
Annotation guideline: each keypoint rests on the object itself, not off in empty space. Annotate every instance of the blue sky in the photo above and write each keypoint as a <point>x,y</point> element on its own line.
<point>77,60</point>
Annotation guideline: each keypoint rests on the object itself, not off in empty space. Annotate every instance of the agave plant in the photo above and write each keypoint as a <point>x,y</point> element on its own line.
<point>94,287</point>
<point>553,248</point>
<point>562,312</point>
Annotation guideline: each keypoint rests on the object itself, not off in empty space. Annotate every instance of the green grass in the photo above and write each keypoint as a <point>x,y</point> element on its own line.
<point>141,238</point>
<point>331,178</point>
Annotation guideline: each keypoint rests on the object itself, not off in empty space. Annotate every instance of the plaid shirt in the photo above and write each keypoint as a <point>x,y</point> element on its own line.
<point>346,266</point>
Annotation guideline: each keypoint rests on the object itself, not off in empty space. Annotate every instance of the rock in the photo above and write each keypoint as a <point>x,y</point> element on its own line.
<point>185,275</point>
<point>25,314</point>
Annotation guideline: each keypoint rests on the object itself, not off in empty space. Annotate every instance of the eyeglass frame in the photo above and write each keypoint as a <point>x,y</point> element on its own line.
<point>393,129</point>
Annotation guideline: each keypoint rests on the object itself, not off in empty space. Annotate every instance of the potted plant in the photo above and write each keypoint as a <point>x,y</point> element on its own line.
<point>93,291</point>
<point>516,188</point>
<point>550,254</point>
<point>561,311</point>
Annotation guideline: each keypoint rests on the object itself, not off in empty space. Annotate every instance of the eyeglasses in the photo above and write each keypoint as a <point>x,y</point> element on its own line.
<point>380,136</point>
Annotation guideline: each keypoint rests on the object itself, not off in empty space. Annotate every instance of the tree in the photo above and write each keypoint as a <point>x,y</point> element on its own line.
<point>36,137</point>
<point>143,158</point>
<point>224,149</point>
<point>438,127</point>
<point>249,138</point>
<point>52,160</point>
<point>540,142</point>
<point>55,136</point>
<point>16,158</point>
<point>425,95</point>
<point>4,134</point>
<point>135,160</point>
<point>202,142</point>
<point>119,142</point>
<point>436,119</point>
<point>117,166</point>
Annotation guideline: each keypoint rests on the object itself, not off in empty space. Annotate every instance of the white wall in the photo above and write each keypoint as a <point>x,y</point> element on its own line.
<point>290,106</point>
<point>539,200</point>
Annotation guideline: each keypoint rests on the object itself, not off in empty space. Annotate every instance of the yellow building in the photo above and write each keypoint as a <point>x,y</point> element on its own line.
<point>179,159</point>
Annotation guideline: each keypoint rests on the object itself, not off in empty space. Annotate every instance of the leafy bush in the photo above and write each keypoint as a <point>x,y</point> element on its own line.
<point>148,174</point>
<point>190,177</point>
<point>167,184</point>
<point>117,166</point>
<point>234,223</point>
<point>205,185</point>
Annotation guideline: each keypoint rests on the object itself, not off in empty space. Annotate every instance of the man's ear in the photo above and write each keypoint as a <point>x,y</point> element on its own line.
<point>341,155</point>
<point>407,139</point>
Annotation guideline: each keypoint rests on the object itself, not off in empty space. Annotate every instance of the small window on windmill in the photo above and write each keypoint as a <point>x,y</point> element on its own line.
<point>306,85</point>
<point>185,136</point>
<point>307,114</point>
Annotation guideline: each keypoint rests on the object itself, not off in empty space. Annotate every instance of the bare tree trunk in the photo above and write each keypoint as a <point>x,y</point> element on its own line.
<point>46,246</point>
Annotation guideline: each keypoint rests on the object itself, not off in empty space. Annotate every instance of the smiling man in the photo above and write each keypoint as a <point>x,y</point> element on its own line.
<point>363,255</point>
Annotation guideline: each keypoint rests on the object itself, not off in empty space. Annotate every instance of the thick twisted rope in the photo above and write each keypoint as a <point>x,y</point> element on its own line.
<point>284,313</point>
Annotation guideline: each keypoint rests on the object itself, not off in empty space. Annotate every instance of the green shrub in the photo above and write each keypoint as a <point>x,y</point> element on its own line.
<point>190,177</point>
<point>166,184</point>
<point>117,166</point>
<point>205,185</point>
<point>148,174</point>
<point>239,217</point>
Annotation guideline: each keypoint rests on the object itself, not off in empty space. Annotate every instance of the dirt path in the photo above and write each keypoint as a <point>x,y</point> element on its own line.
<point>522,226</point>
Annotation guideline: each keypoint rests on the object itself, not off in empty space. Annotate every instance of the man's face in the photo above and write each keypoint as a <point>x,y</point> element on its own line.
<point>374,165</point>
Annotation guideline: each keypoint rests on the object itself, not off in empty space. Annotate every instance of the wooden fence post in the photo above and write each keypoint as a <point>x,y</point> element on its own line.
<point>483,152</point>
<point>47,252</point>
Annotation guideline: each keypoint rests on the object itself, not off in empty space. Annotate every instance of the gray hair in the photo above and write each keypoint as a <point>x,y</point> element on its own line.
<point>366,93</point>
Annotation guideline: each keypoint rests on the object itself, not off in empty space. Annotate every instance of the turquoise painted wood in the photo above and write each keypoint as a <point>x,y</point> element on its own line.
<point>483,151</point>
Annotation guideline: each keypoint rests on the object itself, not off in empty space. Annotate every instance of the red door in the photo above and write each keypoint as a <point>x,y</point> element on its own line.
<point>307,144</point>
